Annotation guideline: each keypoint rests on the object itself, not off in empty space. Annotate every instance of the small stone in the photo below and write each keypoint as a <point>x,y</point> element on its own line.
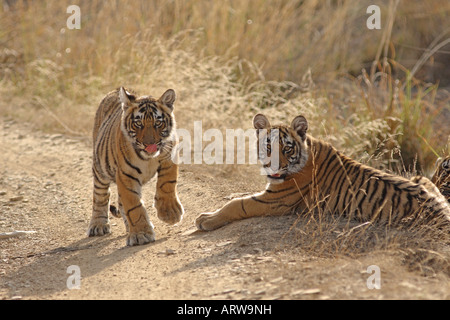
<point>170,252</point>
<point>16,199</point>
<point>276,280</point>
<point>225,243</point>
<point>230,290</point>
<point>305,292</point>
<point>56,137</point>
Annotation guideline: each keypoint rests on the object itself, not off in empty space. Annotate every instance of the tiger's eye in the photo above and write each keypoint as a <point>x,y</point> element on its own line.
<point>158,123</point>
<point>138,123</point>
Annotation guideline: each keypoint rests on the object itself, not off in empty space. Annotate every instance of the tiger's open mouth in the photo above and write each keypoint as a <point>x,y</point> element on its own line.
<point>150,151</point>
<point>151,148</point>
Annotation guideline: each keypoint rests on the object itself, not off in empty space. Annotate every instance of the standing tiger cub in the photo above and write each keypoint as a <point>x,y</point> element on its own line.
<point>133,141</point>
<point>312,174</point>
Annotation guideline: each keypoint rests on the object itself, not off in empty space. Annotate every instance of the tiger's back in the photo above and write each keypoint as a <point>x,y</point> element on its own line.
<point>105,134</point>
<point>110,106</point>
<point>349,188</point>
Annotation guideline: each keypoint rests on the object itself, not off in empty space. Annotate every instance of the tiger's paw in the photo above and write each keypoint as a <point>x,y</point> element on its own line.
<point>98,227</point>
<point>140,238</point>
<point>169,210</point>
<point>209,221</point>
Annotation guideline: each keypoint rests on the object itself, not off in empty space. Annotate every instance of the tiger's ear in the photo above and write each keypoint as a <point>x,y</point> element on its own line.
<point>300,125</point>
<point>261,122</point>
<point>125,98</point>
<point>168,98</point>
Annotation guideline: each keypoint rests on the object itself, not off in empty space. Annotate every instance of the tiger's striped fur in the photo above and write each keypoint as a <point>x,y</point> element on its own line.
<point>441,177</point>
<point>133,141</point>
<point>311,174</point>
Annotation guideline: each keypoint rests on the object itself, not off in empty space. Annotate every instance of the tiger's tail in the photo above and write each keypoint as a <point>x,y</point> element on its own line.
<point>114,211</point>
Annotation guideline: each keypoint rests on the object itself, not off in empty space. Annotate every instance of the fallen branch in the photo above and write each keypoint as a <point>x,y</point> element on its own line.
<point>13,234</point>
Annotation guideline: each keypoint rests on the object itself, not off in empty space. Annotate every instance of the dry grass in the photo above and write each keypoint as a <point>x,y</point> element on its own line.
<point>221,56</point>
<point>420,248</point>
<point>230,60</point>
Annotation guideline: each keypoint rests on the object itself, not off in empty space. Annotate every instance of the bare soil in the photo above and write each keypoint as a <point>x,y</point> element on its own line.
<point>46,187</point>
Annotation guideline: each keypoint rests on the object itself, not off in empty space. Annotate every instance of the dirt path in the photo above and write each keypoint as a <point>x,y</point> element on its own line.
<point>45,186</point>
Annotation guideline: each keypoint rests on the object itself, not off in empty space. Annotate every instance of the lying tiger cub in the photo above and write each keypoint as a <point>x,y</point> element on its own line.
<point>311,173</point>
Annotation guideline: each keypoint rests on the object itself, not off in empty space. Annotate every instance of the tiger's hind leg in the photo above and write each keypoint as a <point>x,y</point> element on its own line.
<point>99,225</point>
<point>426,183</point>
<point>437,202</point>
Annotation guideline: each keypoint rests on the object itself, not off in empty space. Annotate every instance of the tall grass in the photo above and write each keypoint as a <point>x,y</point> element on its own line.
<point>230,59</point>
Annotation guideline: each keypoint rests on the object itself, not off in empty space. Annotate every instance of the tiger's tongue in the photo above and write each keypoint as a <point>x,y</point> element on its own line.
<point>151,148</point>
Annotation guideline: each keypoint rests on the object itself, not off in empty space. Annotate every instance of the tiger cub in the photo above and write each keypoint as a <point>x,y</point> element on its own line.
<point>311,174</point>
<point>133,141</point>
<point>441,177</point>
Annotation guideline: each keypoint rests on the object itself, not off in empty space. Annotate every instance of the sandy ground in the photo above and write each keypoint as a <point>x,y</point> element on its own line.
<point>45,187</point>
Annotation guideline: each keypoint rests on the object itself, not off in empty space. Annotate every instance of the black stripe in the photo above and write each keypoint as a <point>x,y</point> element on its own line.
<point>101,203</point>
<point>383,195</point>
<point>260,201</point>
<point>100,194</point>
<point>131,177</point>
<point>172,181</point>
<point>377,181</point>
<point>132,209</point>
<point>129,163</point>
<point>328,170</point>
<point>287,195</point>
<point>160,169</point>
<point>138,153</point>
<point>408,205</point>
<point>242,206</point>
<point>396,200</point>
<point>321,169</point>
<point>341,170</point>
<point>97,179</point>
<point>341,179</point>
<point>105,150</point>
<point>364,180</point>
<point>130,190</point>
<point>100,188</point>
<point>278,191</point>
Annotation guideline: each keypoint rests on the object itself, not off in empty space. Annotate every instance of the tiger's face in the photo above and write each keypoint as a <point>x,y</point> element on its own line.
<point>148,123</point>
<point>442,174</point>
<point>282,150</point>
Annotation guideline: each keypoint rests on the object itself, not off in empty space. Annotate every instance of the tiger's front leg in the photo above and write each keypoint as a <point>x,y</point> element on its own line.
<point>99,224</point>
<point>140,229</point>
<point>167,204</point>
<point>261,204</point>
